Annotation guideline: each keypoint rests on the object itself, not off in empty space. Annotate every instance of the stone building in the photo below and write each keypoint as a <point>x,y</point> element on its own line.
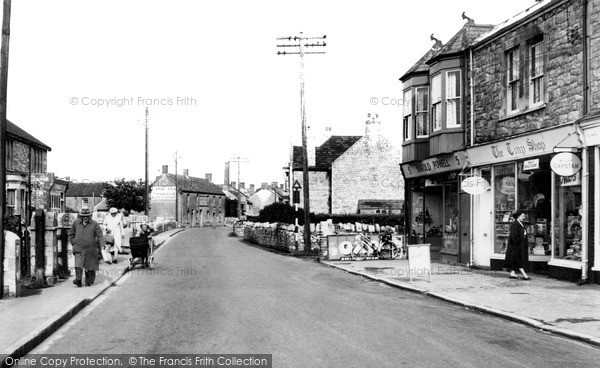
<point>191,201</point>
<point>88,195</point>
<point>531,137</point>
<point>346,169</point>
<point>535,94</point>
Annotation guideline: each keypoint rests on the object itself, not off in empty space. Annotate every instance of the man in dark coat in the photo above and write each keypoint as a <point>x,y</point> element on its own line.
<point>86,237</point>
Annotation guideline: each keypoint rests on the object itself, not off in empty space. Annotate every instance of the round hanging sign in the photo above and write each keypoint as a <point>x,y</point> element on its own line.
<point>565,164</point>
<point>475,185</point>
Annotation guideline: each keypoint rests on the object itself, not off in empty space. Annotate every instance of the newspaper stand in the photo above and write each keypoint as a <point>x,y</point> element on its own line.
<point>419,260</point>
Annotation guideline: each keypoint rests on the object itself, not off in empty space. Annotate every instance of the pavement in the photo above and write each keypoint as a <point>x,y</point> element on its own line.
<point>560,307</point>
<point>27,320</point>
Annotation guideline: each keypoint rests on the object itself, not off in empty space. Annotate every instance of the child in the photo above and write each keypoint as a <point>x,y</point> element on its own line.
<point>110,245</point>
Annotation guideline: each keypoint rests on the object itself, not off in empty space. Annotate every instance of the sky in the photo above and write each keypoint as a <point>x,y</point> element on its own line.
<point>82,73</point>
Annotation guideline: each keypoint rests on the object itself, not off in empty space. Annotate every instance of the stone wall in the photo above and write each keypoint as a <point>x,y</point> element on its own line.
<point>21,158</point>
<point>594,67</point>
<point>319,190</point>
<point>563,74</point>
<point>370,169</point>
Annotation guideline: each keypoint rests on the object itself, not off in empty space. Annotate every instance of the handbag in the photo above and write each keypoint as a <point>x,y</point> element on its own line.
<point>106,256</point>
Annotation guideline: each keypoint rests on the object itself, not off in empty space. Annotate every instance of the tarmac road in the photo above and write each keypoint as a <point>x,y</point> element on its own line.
<point>211,293</point>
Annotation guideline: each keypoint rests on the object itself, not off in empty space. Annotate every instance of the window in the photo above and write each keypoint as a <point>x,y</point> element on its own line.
<point>11,201</point>
<point>55,202</point>
<point>407,120</point>
<point>436,99</point>
<point>453,111</point>
<point>536,64</point>
<point>512,73</point>
<point>84,202</point>
<point>10,154</point>
<point>422,112</point>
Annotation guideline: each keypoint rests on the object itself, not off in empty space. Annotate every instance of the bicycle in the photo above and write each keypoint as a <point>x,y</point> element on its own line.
<point>363,247</point>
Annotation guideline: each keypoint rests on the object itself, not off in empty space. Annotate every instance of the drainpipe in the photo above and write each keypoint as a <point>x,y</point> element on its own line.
<point>472,125</point>
<point>585,162</point>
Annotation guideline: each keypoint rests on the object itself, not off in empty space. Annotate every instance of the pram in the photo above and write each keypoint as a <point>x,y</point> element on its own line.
<point>142,248</point>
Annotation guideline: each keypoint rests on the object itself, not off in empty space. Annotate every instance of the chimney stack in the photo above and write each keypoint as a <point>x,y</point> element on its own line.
<point>226,180</point>
<point>165,169</point>
<point>242,185</point>
<point>264,185</point>
<point>373,125</point>
<point>252,188</point>
<point>233,183</point>
<point>208,177</point>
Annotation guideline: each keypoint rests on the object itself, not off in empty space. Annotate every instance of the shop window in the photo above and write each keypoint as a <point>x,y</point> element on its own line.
<point>504,201</point>
<point>420,216</point>
<point>436,102</point>
<point>512,78</point>
<point>451,224</point>
<point>567,217</point>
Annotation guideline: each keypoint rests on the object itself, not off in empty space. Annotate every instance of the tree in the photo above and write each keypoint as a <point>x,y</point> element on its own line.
<point>127,194</point>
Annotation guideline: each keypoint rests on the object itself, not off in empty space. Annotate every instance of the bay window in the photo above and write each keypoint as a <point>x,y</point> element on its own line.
<point>453,93</point>
<point>436,101</point>
<point>407,115</point>
<point>422,112</point>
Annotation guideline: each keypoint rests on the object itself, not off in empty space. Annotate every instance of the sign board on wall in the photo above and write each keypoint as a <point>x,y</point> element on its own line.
<point>570,181</point>
<point>435,165</point>
<point>203,200</point>
<point>475,185</point>
<point>565,164</point>
<point>162,193</point>
<point>531,164</point>
<point>530,145</point>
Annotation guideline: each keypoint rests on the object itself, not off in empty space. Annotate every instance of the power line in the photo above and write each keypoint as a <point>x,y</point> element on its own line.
<point>239,160</point>
<point>299,43</point>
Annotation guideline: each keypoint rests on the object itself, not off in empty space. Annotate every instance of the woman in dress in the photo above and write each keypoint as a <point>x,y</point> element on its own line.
<point>517,252</point>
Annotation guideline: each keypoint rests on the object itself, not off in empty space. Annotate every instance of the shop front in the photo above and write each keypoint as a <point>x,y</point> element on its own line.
<point>437,212</point>
<point>591,134</point>
<point>523,176</point>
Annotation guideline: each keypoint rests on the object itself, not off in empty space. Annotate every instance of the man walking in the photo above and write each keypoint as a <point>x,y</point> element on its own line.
<point>86,236</point>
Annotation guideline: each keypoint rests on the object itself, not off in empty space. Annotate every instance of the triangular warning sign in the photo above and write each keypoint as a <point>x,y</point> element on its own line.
<point>296,185</point>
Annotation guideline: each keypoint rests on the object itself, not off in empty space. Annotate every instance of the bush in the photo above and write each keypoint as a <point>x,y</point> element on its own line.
<point>280,212</point>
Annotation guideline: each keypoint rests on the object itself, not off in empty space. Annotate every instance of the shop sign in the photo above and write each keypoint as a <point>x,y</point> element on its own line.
<point>531,145</point>
<point>433,183</point>
<point>162,193</point>
<point>507,185</point>
<point>531,164</point>
<point>570,181</point>
<point>475,185</point>
<point>435,165</point>
<point>565,164</point>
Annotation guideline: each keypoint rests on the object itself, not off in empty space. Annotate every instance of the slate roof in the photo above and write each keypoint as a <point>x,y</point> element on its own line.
<point>328,152</point>
<point>16,132</point>
<point>514,20</point>
<point>421,66</point>
<point>85,189</point>
<point>461,40</point>
<point>197,185</point>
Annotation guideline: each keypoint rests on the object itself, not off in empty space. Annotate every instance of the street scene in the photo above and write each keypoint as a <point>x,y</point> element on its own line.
<point>274,184</point>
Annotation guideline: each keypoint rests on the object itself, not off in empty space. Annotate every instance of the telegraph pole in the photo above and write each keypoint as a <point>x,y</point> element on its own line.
<point>3,89</point>
<point>239,193</point>
<point>146,212</point>
<point>176,192</point>
<point>299,43</point>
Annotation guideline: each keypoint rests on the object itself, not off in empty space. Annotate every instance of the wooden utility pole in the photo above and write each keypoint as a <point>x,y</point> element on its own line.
<point>239,160</point>
<point>146,212</point>
<point>3,89</point>
<point>300,42</point>
<point>176,192</point>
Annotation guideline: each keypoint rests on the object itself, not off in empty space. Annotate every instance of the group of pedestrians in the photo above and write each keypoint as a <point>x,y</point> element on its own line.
<point>89,240</point>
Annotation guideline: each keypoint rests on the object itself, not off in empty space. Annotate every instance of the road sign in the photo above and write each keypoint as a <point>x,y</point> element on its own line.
<point>296,185</point>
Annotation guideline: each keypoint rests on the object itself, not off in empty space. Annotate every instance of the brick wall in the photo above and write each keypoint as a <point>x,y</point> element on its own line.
<point>563,74</point>
<point>370,169</point>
